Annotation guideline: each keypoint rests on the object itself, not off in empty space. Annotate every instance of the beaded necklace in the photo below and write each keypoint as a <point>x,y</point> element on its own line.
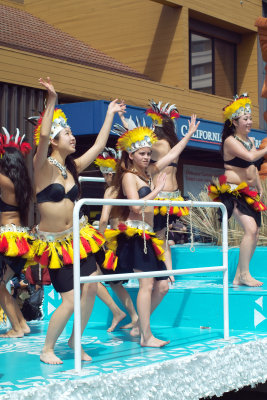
<point>59,166</point>
<point>247,144</point>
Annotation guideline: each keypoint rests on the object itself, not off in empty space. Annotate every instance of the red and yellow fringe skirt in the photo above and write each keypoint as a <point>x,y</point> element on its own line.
<point>160,212</point>
<point>54,250</point>
<point>248,201</point>
<point>16,248</point>
<point>130,229</point>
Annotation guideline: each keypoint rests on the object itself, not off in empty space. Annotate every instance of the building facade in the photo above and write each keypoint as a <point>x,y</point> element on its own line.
<point>192,53</point>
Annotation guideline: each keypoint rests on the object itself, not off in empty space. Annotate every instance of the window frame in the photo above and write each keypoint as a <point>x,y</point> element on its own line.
<point>212,32</point>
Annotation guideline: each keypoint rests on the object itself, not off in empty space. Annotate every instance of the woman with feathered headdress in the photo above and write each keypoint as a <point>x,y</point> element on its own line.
<point>107,162</point>
<point>240,188</point>
<point>57,188</point>
<point>163,118</point>
<point>15,240</point>
<point>134,243</point>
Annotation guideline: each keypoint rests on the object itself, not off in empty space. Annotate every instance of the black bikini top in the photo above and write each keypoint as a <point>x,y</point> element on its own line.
<point>56,192</point>
<point>172,164</point>
<point>144,191</point>
<point>7,207</point>
<point>241,163</point>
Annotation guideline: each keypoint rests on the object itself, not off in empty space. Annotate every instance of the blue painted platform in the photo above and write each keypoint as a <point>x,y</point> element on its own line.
<point>196,363</point>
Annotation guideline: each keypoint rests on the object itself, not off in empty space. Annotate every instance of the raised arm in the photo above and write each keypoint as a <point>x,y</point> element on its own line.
<point>40,157</point>
<point>130,189</point>
<point>90,155</point>
<point>177,149</point>
<point>233,148</point>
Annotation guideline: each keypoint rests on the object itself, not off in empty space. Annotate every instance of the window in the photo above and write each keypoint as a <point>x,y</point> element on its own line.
<point>212,64</point>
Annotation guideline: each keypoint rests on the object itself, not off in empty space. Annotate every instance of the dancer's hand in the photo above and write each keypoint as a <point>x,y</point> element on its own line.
<point>192,125</point>
<point>114,107</point>
<point>48,86</point>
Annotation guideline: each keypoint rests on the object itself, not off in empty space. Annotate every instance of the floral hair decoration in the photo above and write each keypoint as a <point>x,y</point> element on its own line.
<point>17,141</point>
<point>135,137</point>
<point>157,111</point>
<point>59,122</point>
<point>239,106</point>
<point>107,160</point>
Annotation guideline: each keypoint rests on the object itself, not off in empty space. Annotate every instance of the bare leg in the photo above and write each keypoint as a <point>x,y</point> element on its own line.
<point>247,248</point>
<point>126,300</point>
<point>12,310</point>
<point>57,323</point>
<point>167,252</point>
<point>144,311</point>
<point>118,314</point>
<point>160,290</point>
<point>89,291</point>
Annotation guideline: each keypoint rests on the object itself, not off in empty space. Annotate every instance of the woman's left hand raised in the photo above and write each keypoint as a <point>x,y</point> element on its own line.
<point>192,124</point>
<point>114,107</point>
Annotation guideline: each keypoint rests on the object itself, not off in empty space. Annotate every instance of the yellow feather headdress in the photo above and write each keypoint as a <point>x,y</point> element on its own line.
<point>135,137</point>
<point>107,160</point>
<point>239,106</point>
<point>59,122</point>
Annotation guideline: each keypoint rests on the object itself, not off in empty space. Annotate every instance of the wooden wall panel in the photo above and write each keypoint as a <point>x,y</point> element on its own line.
<point>71,79</point>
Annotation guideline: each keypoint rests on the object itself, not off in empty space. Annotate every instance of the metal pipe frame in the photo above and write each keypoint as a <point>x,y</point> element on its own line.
<point>97,278</point>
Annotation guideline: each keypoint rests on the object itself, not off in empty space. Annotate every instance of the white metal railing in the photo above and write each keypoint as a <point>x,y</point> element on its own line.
<point>98,278</point>
<point>91,179</point>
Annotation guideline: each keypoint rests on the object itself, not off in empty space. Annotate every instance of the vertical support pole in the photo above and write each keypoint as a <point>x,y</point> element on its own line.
<point>76,286</point>
<point>225,272</point>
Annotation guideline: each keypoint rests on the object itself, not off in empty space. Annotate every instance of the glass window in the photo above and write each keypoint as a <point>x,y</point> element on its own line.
<point>212,65</point>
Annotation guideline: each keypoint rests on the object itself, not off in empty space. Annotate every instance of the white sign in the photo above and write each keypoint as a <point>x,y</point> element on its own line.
<point>195,177</point>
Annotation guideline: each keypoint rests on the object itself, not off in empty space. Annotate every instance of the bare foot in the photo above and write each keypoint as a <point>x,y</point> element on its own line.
<point>135,331</point>
<point>26,329</point>
<point>84,356</point>
<point>49,357</point>
<point>129,326</point>
<point>12,334</point>
<point>249,281</point>
<point>153,342</point>
<point>116,320</point>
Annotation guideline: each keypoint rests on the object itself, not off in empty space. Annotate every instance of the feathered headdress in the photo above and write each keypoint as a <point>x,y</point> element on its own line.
<point>135,137</point>
<point>59,122</point>
<point>157,111</point>
<point>239,106</point>
<point>17,141</point>
<point>107,160</point>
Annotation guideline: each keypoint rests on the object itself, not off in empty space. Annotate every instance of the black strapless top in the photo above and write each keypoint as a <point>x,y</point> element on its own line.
<point>144,191</point>
<point>7,207</point>
<point>56,192</point>
<point>241,163</point>
<point>172,164</point>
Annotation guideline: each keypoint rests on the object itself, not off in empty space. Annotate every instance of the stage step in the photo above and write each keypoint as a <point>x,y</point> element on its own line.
<point>195,301</point>
<point>208,256</point>
<point>193,304</point>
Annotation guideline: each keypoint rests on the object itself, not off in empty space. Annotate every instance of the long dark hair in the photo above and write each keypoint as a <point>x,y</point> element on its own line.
<point>124,165</point>
<point>12,165</point>
<point>70,165</point>
<point>167,131</point>
<point>228,130</point>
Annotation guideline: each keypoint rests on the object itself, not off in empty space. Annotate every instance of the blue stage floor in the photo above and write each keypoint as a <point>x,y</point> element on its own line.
<point>197,363</point>
<point>21,369</point>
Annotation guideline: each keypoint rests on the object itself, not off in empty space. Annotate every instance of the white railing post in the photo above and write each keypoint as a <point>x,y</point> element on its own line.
<point>225,272</point>
<point>76,287</point>
<point>98,278</point>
